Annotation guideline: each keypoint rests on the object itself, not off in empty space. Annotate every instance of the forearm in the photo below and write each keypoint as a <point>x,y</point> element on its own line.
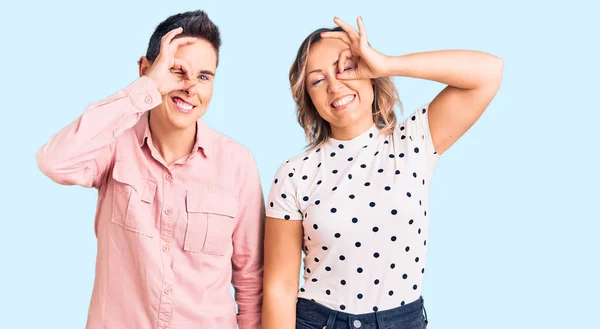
<point>79,152</point>
<point>247,277</point>
<point>249,297</point>
<point>279,309</point>
<point>464,69</point>
<point>248,285</point>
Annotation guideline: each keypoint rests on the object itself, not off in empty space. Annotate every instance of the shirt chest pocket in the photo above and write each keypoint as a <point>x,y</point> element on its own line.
<point>133,201</point>
<point>210,223</point>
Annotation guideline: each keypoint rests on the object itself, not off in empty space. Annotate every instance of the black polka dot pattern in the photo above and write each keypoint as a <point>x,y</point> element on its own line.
<point>364,208</point>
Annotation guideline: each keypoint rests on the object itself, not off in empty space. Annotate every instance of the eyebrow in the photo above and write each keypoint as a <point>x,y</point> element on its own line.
<point>319,70</point>
<point>207,72</point>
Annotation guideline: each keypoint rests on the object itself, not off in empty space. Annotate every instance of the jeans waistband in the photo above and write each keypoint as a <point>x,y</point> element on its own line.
<point>334,319</point>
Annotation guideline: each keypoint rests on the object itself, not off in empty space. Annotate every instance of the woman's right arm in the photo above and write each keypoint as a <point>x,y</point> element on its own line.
<point>283,255</point>
<point>81,152</point>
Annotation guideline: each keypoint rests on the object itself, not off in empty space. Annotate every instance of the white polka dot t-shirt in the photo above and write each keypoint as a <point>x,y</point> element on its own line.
<point>363,203</point>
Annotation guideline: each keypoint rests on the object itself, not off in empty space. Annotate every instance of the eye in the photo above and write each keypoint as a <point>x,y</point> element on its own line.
<point>316,82</point>
<point>348,68</point>
<point>203,77</point>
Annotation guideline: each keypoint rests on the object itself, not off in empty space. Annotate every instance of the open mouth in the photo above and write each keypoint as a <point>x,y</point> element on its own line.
<point>182,105</point>
<point>341,102</point>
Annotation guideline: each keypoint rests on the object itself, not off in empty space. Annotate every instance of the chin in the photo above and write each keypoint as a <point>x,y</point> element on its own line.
<point>347,117</point>
<point>182,123</point>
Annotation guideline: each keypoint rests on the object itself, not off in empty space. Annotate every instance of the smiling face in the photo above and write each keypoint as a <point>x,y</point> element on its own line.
<point>345,104</point>
<point>180,109</point>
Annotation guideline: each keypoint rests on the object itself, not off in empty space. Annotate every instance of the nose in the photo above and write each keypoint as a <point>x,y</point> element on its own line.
<point>191,91</point>
<point>334,84</point>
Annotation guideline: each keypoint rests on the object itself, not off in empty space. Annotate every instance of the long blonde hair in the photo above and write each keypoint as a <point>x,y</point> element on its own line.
<point>316,129</point>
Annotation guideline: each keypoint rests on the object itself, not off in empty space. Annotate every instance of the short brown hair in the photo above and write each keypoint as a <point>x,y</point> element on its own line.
<point>194,23</point>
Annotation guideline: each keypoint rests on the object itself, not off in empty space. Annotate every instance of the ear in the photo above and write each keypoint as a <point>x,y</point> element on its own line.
<point>143,65</point>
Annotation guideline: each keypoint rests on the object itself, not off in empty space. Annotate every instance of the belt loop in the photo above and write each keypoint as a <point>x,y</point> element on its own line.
<point>379,319</point>
<point>331,320</point>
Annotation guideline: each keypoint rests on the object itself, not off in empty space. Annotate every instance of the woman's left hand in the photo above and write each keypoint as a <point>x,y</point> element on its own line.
<point>368,62</point>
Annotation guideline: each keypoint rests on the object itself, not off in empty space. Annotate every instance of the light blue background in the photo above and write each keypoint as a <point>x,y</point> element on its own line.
<point>514,204</point>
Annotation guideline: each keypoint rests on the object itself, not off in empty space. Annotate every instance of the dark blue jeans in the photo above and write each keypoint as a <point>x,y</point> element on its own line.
<point>311,315</point>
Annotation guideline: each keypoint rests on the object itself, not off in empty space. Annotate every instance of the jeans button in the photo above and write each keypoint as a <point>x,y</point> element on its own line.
<point>357,324</point>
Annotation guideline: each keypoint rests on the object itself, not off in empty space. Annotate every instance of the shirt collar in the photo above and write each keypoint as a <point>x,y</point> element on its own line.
<point>203,134</point>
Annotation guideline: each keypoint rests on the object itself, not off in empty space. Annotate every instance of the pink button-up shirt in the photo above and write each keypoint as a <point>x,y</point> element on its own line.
<point>171,239</point>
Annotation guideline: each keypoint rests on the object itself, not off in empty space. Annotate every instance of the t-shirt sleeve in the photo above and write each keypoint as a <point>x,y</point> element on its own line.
<point>282,202</point>
<point>416,128</point>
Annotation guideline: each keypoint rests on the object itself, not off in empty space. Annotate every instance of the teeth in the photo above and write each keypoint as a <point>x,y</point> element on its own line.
<point>184,106</point>
<point>343,101</point>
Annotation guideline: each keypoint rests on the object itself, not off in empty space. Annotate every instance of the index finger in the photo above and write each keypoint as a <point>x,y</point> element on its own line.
<point>337,35</point>
<point>166,39</point>
<point>346,27</point>
<point>181,42</point>
<point>180,64</point>
<point>344,56</point>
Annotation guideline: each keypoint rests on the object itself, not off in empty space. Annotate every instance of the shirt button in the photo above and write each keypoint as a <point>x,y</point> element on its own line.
<point>168,291</point>
<point>168,177</point>
<point>166,248</point>
<point>168,211</point>
<point>357,324</point>
<point>148,99</point>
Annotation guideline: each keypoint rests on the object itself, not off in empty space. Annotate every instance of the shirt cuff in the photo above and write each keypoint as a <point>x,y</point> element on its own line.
<point>249,321</point>
<point>143,94</point>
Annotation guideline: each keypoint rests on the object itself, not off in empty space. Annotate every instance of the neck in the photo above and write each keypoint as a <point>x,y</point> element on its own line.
<point>344,133</point>
<point>172,144</point>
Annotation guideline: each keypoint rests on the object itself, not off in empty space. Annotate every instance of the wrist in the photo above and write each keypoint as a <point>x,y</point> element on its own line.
<point>396,65</point>
<point>154,81</point>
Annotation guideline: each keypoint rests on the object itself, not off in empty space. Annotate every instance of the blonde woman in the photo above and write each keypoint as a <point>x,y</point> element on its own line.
<point>356,202</point>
